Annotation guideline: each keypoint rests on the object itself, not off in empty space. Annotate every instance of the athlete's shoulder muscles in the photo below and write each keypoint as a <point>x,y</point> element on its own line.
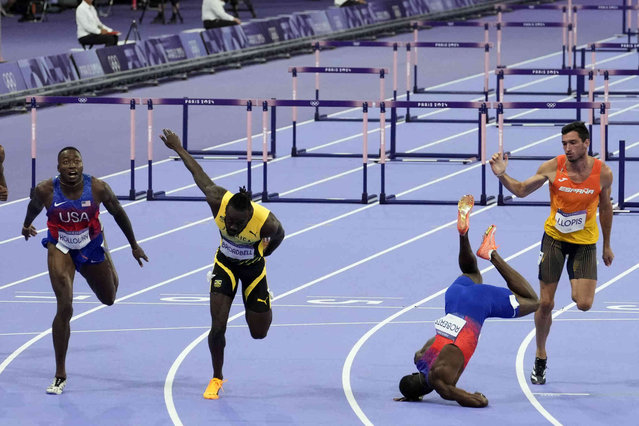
<point>271,227</point>
<point>102,193</point>
<point>606,176</point>
<point>43,192</point>
<point>214,195</point>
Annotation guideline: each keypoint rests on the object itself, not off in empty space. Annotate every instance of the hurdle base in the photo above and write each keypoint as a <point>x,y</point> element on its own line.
<point>623,211</point>
<point>484,200</point>
<point>161,196</point>
<point>509,201</point>
<point>133,195</point>
<point>275,198</point>
<point>612,157</point>
<point>463,158</point>
<point>324,117</point>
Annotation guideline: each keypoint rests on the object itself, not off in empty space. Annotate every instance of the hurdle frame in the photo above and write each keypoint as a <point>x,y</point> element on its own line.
<point>451,45</point>
<point>33,101</point>
<point>467,157</point>
<point>579,73</point>
<point>603,111</point>
<point>365,198</point>
<point>186,103</point>
<point>624,206</point>
<point>566,25</point>
<point>382,72</point>
<point>152,195</point>
<point>483,199</point>
<point>317,46</point>
<point>626,9</point>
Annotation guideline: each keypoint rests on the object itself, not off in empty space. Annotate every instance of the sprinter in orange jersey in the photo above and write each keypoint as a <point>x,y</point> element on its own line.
<point>578,184</point>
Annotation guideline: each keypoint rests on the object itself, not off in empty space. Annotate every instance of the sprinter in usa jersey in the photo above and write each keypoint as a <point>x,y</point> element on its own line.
<point>75,242</point>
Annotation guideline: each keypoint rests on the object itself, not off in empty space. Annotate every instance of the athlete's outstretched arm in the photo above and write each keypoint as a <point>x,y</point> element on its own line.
<point>213,192</point>
<point>445,373</point>
<point>106,196</point>
<point>605,213</point>
<point>463,398</point>
<point>41,194</point>
<point>273,232</point>
<point>499,162</point>
<point>4,192</point>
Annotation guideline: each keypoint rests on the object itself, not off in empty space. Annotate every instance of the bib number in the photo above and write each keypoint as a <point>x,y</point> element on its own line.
<point>570,222</point>
<point>449,326</point>
<point>235,251</point>
<point>74,240</point>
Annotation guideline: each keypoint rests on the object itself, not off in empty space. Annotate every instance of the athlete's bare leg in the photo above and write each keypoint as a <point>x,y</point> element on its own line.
<point>526,296</point>
<point>583,292</point>
<point>259,323</point>
<point>220,306</point>
<point>543,316</point>
<point>61,274</point>
<point>467,260</point>
<point>102,277</point>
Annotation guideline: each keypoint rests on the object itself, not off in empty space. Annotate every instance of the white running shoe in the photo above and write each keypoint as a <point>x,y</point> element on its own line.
<point>57,386</point>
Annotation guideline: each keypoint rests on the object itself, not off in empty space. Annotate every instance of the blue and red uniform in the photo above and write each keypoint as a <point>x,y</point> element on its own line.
<point>467,305</point>
<point>74,226</point>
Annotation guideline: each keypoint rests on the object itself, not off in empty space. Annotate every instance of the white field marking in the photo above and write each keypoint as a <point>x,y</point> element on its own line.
<point>348,363</point>
<point>519,362</point>
<point>25,346</point>
<point>560,394</point>
<point>309,324</point>
<point>170,377</point>
<point>354,297</point>
<point>144,166</point>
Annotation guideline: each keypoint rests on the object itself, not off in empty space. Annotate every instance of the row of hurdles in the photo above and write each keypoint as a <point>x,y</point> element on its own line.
<point>386,153</point>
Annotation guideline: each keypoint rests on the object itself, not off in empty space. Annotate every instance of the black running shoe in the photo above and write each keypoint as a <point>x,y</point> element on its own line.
<point>538,374</point>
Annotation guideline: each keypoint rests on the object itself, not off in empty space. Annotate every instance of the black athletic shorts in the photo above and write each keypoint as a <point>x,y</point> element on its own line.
<point>582,260</point>
<point>227,274</point>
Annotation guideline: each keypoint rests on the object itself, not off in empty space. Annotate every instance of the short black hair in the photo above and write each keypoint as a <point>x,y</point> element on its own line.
<point>68,148</point>
<point>414,386</point>
<point>579,127</point>
<point>241,201</point>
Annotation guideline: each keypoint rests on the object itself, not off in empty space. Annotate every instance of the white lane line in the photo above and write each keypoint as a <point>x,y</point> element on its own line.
<point>519,362</point>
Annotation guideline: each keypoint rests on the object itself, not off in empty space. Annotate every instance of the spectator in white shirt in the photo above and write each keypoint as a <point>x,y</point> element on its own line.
<point>345,3</point>
<point>214,15</point>
<point>90,30</point>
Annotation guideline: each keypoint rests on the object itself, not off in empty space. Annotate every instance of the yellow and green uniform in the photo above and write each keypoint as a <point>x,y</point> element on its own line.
<point>241,257</point>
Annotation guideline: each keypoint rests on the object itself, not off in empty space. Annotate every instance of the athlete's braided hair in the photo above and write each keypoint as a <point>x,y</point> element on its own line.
<point>241,201</point>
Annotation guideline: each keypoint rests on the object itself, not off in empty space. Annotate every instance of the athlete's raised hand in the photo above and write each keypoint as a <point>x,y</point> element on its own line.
<point>499,163</point>
<point>170,139</point>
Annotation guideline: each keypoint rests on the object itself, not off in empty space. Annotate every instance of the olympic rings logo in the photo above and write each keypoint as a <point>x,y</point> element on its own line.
<point>82,100</point>
<point>551,105</point>
<point>114,63</point>
<point>314,103</point>
<point>10,81</point>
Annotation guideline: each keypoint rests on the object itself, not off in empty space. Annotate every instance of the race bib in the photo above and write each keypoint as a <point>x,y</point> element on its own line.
<point>74,240</point>
<point>570,222</point>
<point>235,251</point>
<point>449,326</point>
